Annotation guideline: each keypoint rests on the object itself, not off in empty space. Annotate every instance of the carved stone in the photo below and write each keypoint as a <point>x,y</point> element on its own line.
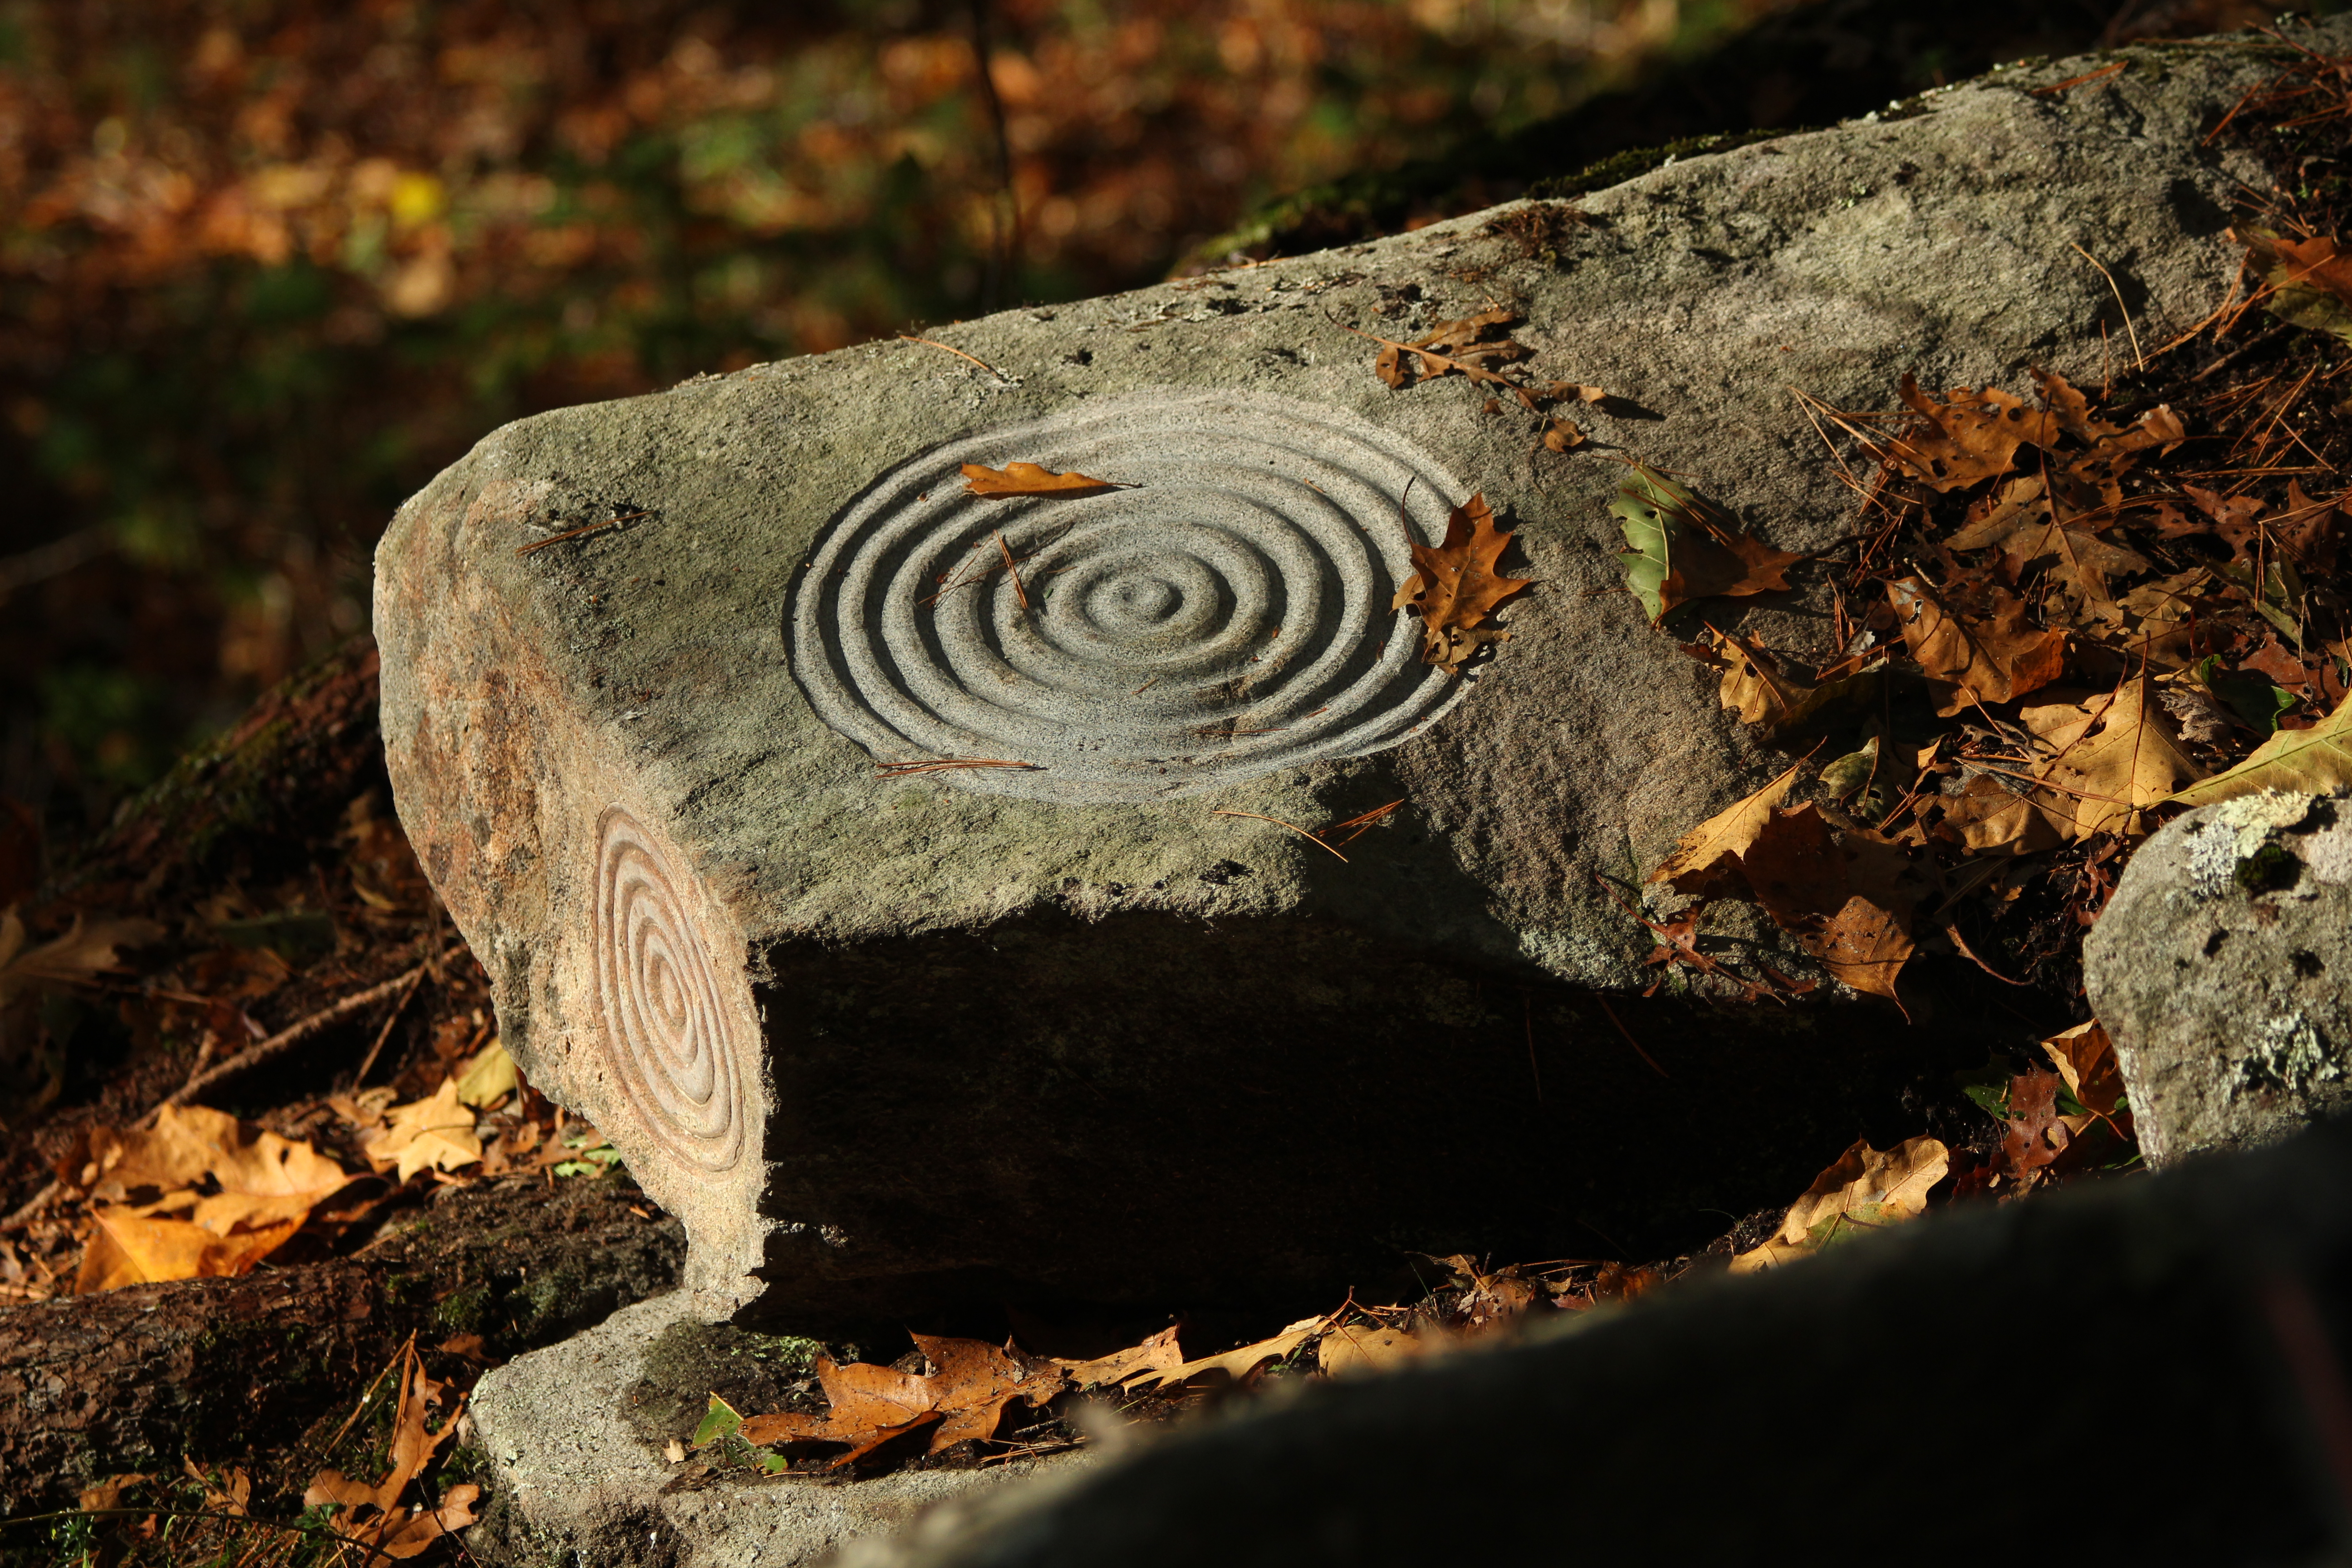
<point>1105,1024</point>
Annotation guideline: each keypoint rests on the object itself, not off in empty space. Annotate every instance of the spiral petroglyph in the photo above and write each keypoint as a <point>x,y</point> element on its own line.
<point>1227,615</point>
<point>669,1031</point>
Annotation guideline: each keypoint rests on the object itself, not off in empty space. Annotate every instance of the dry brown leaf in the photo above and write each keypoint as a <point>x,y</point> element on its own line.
<point>89,949</point>
<point>128,1248</point>
<point>437,1132</point>
<point>1456,348</point>
<point>1969,438</point>
<point>1456,586</point>
<point>2112,758</point>
<point>2037,1133</point>
<point>965,1393</point>
<point>1706,862</point>
<point>1991,818</point>
<point>487,1076</point>
<point>1240,1364</point>
<point>372,1512</point>
<point>1160,1352</point>
<point>1762,691</point>
<point>267,1186</point>
<point>1362,1348</point>
<point>1847,900</point>
<point>1867,1189</point>
<point>2020,523</point>
<point>1968,661</point>
<point>1029,479</point>
<point>2085,1058</point>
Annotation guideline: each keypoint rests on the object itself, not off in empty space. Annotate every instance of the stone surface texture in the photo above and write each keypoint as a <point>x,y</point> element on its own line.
<point>2219,969</point>
<point>579,1478</point>
<point>881,1038</point>
<point>1721,1421</point>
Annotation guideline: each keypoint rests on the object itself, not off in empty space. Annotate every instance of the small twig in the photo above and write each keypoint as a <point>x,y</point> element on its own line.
<point>286,1039</point>
<point>1279,823</point>
<point>2056,87</point>
<point>940,764</point>
<point>1528,1016</point>
<point>1145,686</point>
<point>1019,592</point>
<point>1629,1035</point>
<point>2139,360</point>
<point>1367,822</point>
<point>584,530</point>
<point>934,343</point>
<point>416,979</point>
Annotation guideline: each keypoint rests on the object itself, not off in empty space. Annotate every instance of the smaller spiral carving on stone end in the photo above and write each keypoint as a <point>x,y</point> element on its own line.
<point>669,1031</point>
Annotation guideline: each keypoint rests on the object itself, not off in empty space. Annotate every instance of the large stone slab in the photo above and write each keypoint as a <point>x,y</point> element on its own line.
<point>1103,1025</point>
<point>2219,969</point>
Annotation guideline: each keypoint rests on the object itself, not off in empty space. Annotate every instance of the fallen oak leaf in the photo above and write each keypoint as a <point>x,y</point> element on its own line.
<point>2037,1133</point>
<point>87,950</point>
<point>1757,688</point>
<point>1971,436</point>
<point>1455,586</point>
<point>1160,1352</point>
<point>1452,350</point>
<point>1352,1349</point>
<point>963,1398</point>
<point>1866,1189</point>
<point>1968,661</point>
<point>2113,759</point>
<point>129,1248</point>
<point>1239,1366</point>
<point>2085,1059</point>
<point>1846,899</point>
<point>1030,480</point>
<point>435,1132</point>
<point>1705,862</point>
<point>374,1514</point>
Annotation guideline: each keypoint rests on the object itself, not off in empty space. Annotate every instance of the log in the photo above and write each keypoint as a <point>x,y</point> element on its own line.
<point>245,1369</point>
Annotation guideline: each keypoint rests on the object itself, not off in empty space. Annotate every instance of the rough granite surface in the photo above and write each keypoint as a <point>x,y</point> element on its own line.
<point>881,1039</point>
<point>2219,970</point>
<point>575,1479</point>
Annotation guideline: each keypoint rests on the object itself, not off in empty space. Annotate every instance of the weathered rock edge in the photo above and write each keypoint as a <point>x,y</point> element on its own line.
<point>577,1476</point>
<point>936,1041</point>
<point>2219,970</point>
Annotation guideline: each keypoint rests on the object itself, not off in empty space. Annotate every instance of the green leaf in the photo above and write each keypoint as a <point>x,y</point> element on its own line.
<point>1851,772</point>
<point>2311,761</point>
<point>1992,1099</point>
<point>1650,509</point>
<point>719,1421</point>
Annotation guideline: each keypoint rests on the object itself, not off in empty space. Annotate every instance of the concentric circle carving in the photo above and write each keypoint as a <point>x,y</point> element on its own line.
<point>1226,616</point>
<point>669,1031</point>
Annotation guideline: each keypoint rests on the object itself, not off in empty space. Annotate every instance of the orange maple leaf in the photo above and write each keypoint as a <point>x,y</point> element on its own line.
<point>1455,586</point>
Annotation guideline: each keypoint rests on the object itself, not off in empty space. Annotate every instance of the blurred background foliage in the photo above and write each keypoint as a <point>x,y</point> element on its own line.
<point>265,265</point>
